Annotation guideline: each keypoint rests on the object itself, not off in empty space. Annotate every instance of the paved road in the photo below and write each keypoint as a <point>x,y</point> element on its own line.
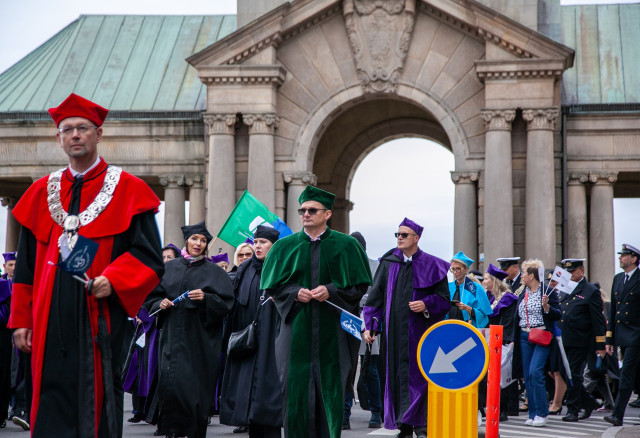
<point>515,427</point>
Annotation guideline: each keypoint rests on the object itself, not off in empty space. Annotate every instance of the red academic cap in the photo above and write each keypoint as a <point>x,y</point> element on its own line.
<point>78,106</point>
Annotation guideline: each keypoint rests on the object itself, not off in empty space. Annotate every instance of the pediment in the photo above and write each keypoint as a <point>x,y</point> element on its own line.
<point>520,46</point>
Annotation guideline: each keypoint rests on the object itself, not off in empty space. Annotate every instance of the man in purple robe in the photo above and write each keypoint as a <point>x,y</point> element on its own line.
<point>410,293</point>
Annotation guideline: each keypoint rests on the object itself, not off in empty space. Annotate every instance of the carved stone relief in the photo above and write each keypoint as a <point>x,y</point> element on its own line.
<point>379,32</point>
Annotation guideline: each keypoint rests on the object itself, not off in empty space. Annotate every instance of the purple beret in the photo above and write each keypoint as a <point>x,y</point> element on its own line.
<point>498,273</point>
<point>411,224</point>
<point>223,257</point>
<point>8,256</point>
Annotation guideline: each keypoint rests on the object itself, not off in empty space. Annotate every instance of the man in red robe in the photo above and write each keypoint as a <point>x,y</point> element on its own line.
<point>76,391</point>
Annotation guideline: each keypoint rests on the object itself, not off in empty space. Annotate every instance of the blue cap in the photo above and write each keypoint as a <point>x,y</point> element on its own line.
<point>462,258</point>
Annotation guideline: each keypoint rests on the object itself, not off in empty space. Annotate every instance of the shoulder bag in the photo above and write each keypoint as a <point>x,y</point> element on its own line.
<point>244,343</point>
<point>536,336</point>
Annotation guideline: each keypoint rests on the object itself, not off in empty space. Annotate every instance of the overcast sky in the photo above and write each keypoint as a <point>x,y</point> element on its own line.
<point>406,177</point>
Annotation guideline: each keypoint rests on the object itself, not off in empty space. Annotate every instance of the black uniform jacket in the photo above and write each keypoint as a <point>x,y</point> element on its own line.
<point>624,321</point>
<point>516,283</point>
<point>583,321</point>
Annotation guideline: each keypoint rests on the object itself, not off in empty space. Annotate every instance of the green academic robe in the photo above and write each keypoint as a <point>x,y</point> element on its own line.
<point>312,350</point>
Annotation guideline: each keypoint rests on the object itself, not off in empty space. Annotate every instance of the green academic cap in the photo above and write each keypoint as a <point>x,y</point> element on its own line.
<point>311,193</point>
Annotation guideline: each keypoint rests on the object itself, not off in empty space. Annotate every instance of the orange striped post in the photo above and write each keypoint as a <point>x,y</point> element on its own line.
<point>493,381</point>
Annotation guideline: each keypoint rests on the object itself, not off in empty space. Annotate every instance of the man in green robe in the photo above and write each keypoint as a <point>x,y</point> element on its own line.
<point>301,272</point>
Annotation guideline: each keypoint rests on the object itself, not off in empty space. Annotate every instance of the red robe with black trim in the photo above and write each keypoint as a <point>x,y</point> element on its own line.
<point>130,278</point>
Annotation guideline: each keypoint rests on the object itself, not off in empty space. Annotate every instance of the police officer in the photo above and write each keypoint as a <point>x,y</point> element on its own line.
<point>511,267</point>
<point>624,326</point>
<point>583,324</point>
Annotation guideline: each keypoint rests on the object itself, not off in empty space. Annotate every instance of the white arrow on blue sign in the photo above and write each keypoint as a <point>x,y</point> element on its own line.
<point>453,355</point>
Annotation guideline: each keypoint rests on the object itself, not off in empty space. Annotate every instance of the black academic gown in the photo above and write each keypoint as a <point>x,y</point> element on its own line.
<point>189,344</point>
<point>251,388</point>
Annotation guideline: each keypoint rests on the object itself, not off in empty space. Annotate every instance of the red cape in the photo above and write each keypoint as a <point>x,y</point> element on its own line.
<point>130,279</point>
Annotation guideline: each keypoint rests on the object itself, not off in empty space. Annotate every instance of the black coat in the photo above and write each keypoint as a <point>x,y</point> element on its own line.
<point>516,283</point>
<point>548,318</point>
<point>189,343</point>
<point>583,322</point>
<point>624,324</point>
<point>251,389</point>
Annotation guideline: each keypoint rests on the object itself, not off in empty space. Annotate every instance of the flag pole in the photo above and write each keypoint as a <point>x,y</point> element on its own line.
<point>212,242</point>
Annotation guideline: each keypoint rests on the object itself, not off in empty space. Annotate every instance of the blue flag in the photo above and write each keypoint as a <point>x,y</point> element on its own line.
<point>81,257</point>
<point>351,324</point>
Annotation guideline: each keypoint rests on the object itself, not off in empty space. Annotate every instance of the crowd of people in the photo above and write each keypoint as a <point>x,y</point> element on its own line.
<point>261,344</point>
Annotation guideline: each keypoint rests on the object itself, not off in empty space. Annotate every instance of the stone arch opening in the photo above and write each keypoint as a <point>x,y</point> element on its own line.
<point>351,133</point>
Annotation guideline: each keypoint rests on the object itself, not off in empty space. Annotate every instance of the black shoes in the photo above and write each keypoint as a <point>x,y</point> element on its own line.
<point>503,417</point>
<point>587,412</point>
<point>346,425</point>
<point>635,403</point>
<point>558,412</point>
<point>613,420</point>
<point>570,417</point>
<point>241,429</point>
<point>135,419</point>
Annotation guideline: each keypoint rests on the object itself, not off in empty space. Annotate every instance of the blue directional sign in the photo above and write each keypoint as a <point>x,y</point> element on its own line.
<point>453,355</point>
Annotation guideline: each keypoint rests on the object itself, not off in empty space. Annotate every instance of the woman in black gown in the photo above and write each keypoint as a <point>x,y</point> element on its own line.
<point>251,389</point>
<point>190,335</point>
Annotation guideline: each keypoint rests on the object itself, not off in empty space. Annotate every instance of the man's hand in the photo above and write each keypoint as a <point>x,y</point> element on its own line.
<point>600,353</point>
<point>304,295</point>
<point>101,287</point>
<point>320,293</point>
<point>22,339</point>
<point>166,303</point>
<point>196,295</point>
<point>367,337</point>
<point>609,349</point>
<point>417,306</point>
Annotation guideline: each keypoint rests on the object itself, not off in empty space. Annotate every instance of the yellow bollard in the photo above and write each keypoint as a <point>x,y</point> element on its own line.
<point>453,356</point>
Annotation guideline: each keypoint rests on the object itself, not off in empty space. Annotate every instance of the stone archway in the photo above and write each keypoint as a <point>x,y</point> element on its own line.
<point>353,128</point>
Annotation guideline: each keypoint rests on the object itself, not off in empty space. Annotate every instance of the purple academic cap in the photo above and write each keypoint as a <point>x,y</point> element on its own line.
<point>8,256</point>
<point>496,272</point>
<point>411,224</point>
<point>223,257</point>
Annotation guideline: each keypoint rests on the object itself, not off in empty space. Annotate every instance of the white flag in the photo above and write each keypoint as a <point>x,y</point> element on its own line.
<point>562,277</point>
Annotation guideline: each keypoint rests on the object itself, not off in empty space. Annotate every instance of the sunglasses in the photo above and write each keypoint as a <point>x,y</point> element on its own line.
<point>311,211</point>
<point>405,235</point>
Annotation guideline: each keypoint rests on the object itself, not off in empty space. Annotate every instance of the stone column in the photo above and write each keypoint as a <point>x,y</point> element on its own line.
<point>498,185</point>
<point>221,170</point>
<point>13,226</point>
<point>261,180</point>
<point>296,182</point>
<point>577,236</point>
<point>196,198</point>
<point>602,251</point>
<point>174,197</point>
<point>340,217</point>
<point>540,206</point>
<point>465,220</point>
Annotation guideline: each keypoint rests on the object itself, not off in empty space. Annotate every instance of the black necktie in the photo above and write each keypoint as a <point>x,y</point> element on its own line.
<point>626,279</point>
<point>76,190</point>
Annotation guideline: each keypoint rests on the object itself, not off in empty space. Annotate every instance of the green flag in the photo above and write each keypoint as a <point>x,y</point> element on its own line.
<point>245,217</point>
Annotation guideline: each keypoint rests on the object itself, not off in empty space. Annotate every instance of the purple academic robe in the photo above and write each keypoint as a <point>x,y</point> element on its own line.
<point>387,310</point>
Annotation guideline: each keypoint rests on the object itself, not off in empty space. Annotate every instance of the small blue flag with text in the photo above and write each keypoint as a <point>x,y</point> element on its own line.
<point>349,322</point>
<point>81,257</point>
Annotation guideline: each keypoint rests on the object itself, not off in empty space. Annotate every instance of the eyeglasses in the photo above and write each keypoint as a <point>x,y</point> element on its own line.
<point>311,211</point>
<point>68,130</point>
<point>456,269</point>
<point>404,235</point>
<point>245,255</point>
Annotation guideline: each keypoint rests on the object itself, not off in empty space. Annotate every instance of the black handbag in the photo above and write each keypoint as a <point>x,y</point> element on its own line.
<point>244,343</point>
